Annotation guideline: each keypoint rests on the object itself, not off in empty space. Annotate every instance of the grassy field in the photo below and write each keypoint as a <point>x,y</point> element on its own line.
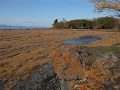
<point>22,50</point>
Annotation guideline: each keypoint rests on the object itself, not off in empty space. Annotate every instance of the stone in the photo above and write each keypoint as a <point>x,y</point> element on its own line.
<point>70,66</point>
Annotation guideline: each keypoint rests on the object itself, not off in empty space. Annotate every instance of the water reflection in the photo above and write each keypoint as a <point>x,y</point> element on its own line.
<point>81,40</point>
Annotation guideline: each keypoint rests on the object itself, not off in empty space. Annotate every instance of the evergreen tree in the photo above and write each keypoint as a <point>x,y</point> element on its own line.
<point>55,23</point>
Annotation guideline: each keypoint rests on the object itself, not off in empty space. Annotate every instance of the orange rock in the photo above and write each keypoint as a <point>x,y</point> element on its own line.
<point>66,64</point>
<point>68,67</point>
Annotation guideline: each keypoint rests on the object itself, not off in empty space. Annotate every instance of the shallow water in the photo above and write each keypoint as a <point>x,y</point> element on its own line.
<point>81,40</point>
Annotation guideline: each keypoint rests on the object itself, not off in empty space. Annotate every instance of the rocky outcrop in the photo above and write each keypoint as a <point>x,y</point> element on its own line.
<point>75,70</point>
<point>41,78</point>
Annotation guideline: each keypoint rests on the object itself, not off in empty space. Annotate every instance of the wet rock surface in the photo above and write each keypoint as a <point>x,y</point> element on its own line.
<point>80,70</point>
<point>41,78</point>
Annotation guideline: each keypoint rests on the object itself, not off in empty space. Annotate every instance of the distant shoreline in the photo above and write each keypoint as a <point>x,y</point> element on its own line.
<point>102,30</point>
<point>9,27</point>
<point>28,29</point>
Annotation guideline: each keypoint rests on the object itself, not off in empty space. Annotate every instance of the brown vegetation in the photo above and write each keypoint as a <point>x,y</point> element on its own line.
<point>22,50</point>
<point>110,5</point>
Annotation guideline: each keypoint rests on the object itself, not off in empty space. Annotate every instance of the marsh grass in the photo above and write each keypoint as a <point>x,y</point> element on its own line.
<point>22,50</point>
<point>105,49</point>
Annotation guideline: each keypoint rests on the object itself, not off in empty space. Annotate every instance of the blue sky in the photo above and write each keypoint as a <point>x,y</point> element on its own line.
<point>44,12</point>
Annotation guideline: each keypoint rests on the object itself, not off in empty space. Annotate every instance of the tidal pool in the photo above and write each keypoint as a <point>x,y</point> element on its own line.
<point>81,40</point>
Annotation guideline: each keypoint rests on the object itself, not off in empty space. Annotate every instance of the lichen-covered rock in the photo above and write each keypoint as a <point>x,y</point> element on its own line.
<point>103,73</point>
<point>67,65</point>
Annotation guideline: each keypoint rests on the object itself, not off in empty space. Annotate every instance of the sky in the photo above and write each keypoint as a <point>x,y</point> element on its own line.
<point>44,12</point>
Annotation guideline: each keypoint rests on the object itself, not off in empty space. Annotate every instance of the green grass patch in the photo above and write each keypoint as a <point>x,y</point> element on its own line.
<point>105,49</point>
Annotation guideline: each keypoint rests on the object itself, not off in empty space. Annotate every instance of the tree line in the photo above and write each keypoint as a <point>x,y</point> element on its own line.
<point>96,23</point>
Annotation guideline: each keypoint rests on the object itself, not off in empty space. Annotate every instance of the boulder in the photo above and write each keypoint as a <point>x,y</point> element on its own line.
<point>71,68</point>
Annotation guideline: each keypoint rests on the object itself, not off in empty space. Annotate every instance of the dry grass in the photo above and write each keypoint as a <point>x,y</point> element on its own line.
<point>22,50</point>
